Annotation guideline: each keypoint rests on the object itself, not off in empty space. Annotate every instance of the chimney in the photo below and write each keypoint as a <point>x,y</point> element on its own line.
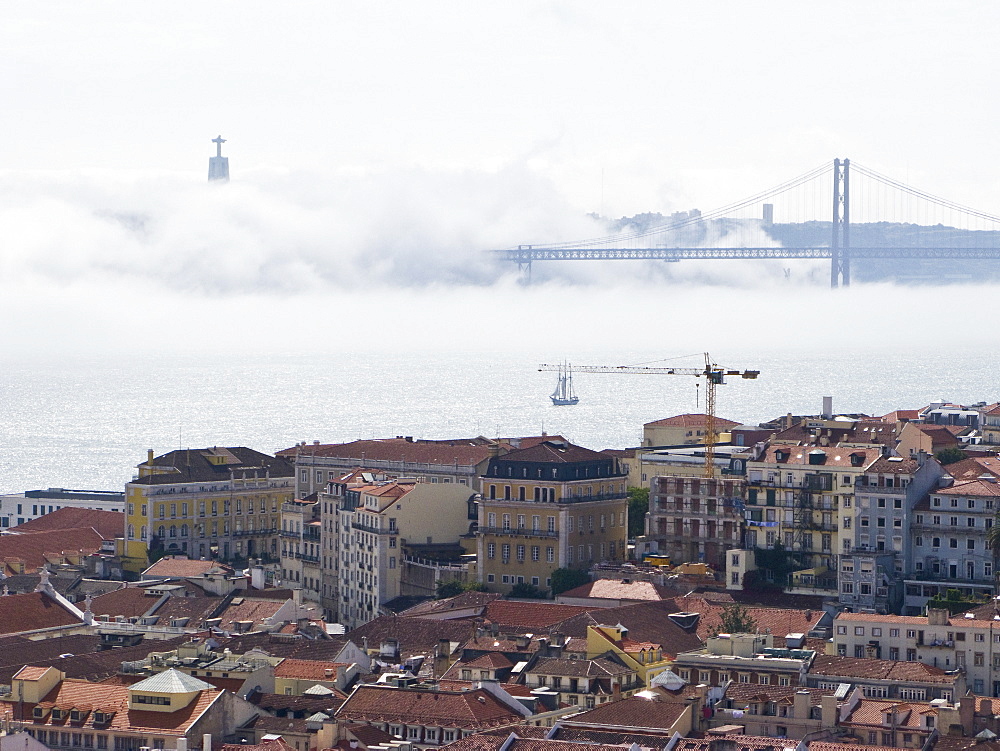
<point>828,710</point>
<point>182,744</point>
<point>937,616</point>
<point>966,711</point>
<point>803,701</point>
<point>206,742</point>
<point>149,457</point>
<point>827,407</point>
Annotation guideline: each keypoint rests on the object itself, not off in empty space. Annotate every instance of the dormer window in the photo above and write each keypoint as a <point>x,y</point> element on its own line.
<point>38,713</point>
<point>58,714</point>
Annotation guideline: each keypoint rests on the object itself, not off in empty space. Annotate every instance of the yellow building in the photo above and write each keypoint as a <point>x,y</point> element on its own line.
<point>684,430</point>
<point>208,503</point>
<point>546,506</point>
<point>645,658</point>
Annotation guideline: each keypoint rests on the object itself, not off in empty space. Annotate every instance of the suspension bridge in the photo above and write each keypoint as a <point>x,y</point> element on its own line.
<point>841,211</point>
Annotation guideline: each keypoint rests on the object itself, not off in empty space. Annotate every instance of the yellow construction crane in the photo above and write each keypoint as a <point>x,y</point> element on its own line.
<point>712,373</point>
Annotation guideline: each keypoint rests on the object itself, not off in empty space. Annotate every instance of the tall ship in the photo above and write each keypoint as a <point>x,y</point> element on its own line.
<point>563,396</point>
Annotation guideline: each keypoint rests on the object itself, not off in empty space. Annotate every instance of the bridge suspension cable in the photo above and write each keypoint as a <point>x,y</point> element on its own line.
<point>702,217</point>
<point>943,202</point>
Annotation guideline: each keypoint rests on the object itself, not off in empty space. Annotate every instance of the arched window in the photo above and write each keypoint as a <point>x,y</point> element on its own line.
<point>161,532</point>
<point>131,532</point>
<point>173,531</point>
<point>142,532</point>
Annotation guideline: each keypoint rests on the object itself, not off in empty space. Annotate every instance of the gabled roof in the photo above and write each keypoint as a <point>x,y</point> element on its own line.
<point>170,567</point>
<point>463,601</point>
<point>985,488</point>
<point>306,669</point>
<point>36,549</point>
<point>619,589</point>
<point>521,617</point>
<point>893,670</point>
<point>556,452</point>
<point>108,524</point>
<point>171,682</point>
<point>691,421</point>
<point>564,666</point>
<point>412,633</point>
<point>32,612</point>
<point>131,602</point>
<point>635,712</point>
<point>464,709</point>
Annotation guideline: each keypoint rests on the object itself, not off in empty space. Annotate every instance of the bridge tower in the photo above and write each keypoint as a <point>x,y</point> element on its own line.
<point>840,239</point>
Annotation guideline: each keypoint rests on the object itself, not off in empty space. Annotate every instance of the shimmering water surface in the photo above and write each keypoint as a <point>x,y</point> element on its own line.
<point>85,423</point>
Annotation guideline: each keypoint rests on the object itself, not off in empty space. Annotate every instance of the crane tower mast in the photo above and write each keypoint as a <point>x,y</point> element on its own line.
<point>712,373</point>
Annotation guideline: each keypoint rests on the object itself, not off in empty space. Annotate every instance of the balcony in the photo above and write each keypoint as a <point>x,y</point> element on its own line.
<point>307,558</point>
<point>253,532</point>
<point>518,532</point>
<point>371,530</point>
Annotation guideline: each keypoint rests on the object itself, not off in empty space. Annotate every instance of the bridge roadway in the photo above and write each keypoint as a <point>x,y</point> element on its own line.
<point>526,254</point>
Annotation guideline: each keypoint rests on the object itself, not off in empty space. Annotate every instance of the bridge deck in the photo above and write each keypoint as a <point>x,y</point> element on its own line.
<point>528,254</point>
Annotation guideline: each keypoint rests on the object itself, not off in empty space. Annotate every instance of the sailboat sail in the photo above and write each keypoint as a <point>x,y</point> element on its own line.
<point>563,395</point>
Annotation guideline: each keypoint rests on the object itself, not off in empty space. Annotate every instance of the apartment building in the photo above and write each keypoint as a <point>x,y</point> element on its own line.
<point>696,518</point>
<point>967,642</point>
<point>684,430</point>
<point>19,508</point>
<point>950,550</point>
<point>744,658</point>
<point>300,547</point>
<point>802,496</point>
<point>872,568</point>
<point>551,505</point>
<point>208,503</point>
<point>380,525</point>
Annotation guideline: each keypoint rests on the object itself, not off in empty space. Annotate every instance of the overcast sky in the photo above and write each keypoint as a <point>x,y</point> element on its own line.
<point>381,146</point>
<point>678,105</point>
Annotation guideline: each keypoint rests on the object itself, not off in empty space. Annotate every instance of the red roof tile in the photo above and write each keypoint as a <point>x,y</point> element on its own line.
<point>108,524</point>
<point>476,709</point>
<point>691,421</point>
<point>31,612</point>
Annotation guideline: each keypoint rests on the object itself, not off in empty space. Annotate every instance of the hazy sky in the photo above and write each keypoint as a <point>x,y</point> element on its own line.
<point>679,105</point>
<point>377,148</point>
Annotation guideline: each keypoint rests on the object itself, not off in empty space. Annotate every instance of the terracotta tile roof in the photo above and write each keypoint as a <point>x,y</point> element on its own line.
<point>974,467</point>
<point>828,746</point>
<point>308,704</point>
<point>750,693</point>
<point>279,725</point>
<point>282,646</point>
<point>564,666</point>
<point>913,620</point>
<point>251,610</point>
<point>195,609</point>
<point>511,616</point>
<point>646,622</point>
<point>552,451</point>
<point>463,452</point>
<point>128,601</point>
<point>652,739</point>
<point>872,432</point>
<point>476,709</point>
<point>31,612</point>
<point>490,660</point>
<point>982,488</point>
<point>737,742</point>
<point>72,692</point>
<point>502,644</point>
<point>412,633</point>
<point>893,670</point>
<point>271,744</point>
<point>35,549</point>
<point>886,465</point>
<point>691,421</point>
<point>834,456</point>
<point>108,524</point>
<point>617,589</point>
<point>171,567</point>
<point>635,712</point>
<point>901,414</point>
<point>909,715</point>
<point>463,601</point>
<point>30,672</point>
<point>306,669</point>
<point>483,742</point>
<point>369,735</point>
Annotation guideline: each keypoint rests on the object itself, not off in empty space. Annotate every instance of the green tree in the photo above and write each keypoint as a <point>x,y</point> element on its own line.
<point>527,591</point>
<point>565,579</point>
<point>638,505</point>
<point>950,455</point>
<point>735,619</point>
<point>454,587</point>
